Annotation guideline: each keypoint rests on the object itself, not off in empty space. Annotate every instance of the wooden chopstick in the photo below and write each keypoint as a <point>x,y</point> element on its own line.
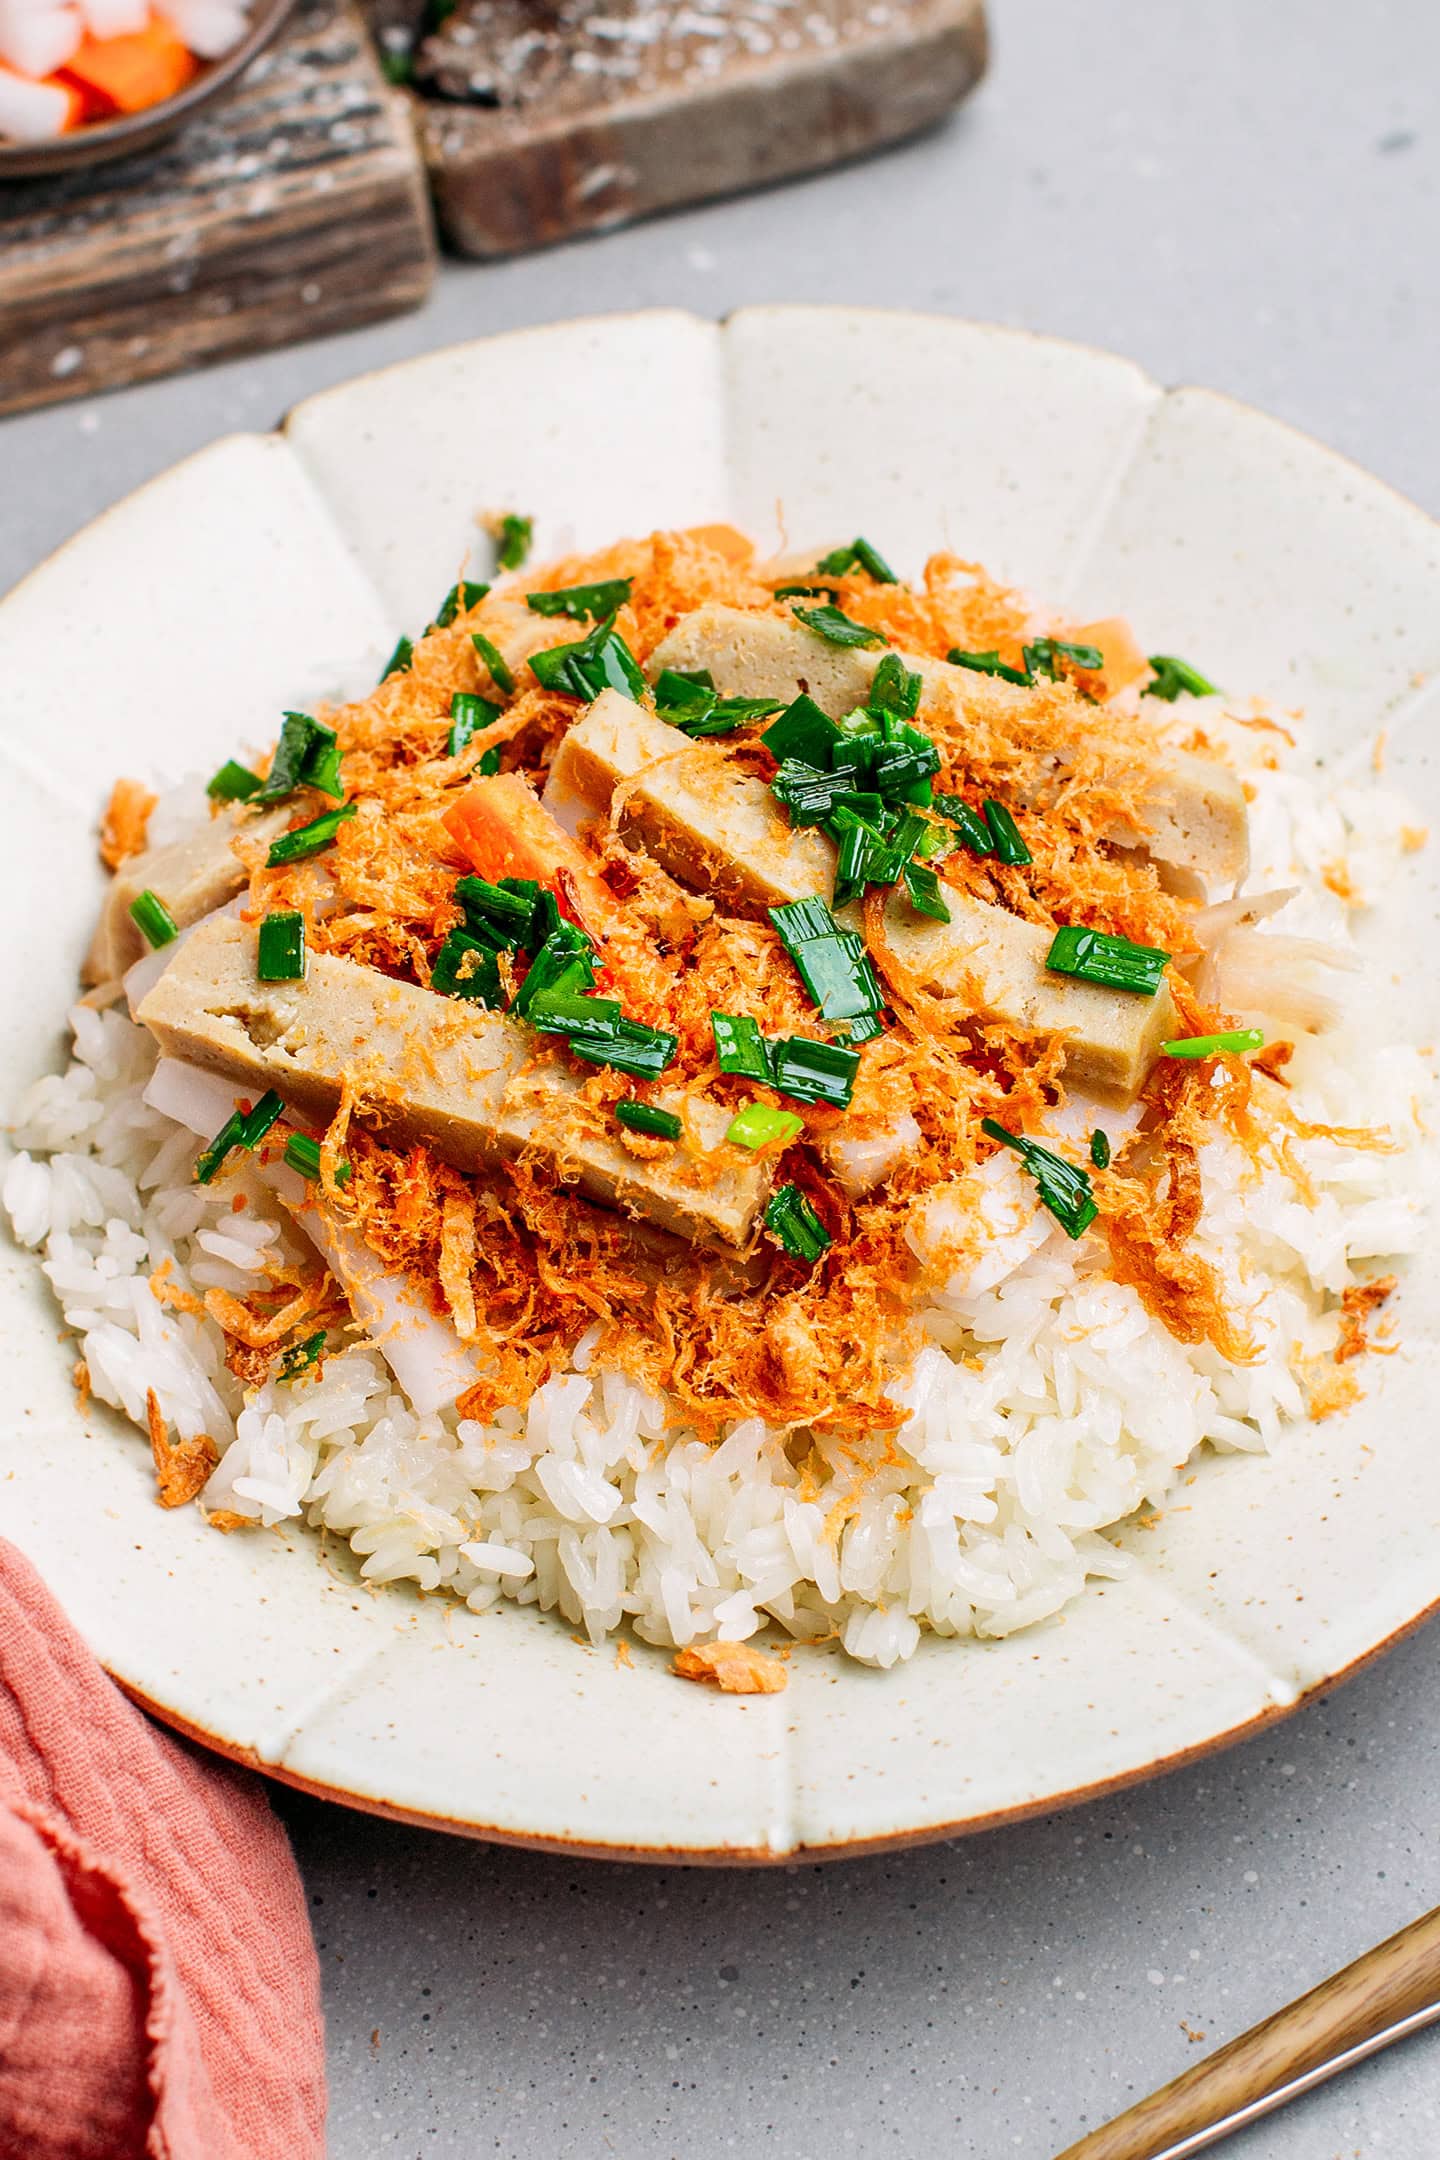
<point>1383,1995</point>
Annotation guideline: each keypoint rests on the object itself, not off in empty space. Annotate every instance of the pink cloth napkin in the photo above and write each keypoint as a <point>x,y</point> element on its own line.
<point>159,1992</point>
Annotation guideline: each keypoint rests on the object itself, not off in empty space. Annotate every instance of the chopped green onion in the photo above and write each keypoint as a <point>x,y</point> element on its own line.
<point>1099,1150</point>
<point>488,762</point>
<point>987,663</point>
<point>806,592</point>
<point>803,732</point>
<point>643,1052</point>
<point>793,1224</point>
<point>309,839</point>
<point>862,856</point>
<point>1231,1042</point>
<point>397,67</point>
<point>1005,834</point>
<point>808,794</point>
<point>459,601</point>
<point>259,1120</point>
<point>859,555</point>
<point>506,912</point>
<point>516,533</point>
<point>240,1129</point>
<point>303,1155</point>
<point>1117,963</point>
<point>301,1356</point>
<point>231,1135</point>
<point>688,701</point>
<point>739,1046</point>
<point>903,770</point>
<point>465,967</point>
<point>495,661</point>
<point>895,688</point>
<point>468,714</point>
<point>558,965</point>
<point>644,1117</point>
<point>233,783</point>
<point>758,1126</point>
<point>580,601</point>
<point>924,889</point>
<point>968,822</point>
<point>601,661</point>
<point>400,659</point>
<point>1040,657</point>
<point>1063,1189</point>
<point>837,629</point>
<point>1172,676</point>
<point>832,963</point>
<point>282,946</point>
<point>153,919</point>
<point>725,715</point>
<point>307,755</point>
<point>864,1028</point>
<point>810,1071</point>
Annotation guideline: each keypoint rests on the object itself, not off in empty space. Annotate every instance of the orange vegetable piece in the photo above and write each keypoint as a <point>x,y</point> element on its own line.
<point>128,74</point>
<point>723,540</point>
<point>504,830</point>
<point>78,104</point>
<point>1124,661</point>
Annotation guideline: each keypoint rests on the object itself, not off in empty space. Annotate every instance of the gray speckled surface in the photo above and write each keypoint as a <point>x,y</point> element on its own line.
<point>1235,195</point>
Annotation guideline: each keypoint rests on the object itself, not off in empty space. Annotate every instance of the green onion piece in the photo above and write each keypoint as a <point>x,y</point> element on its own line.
<point>643,1052</point>
<point>757,1126</point>
<point>488,762</point>
<point>582,601</point>
<point>259,1120</point>
<point>727,714</point>
<point>645,1117</point>
<point>282,946</point>
<point>307,755</point>
<point>859,555</point>
<point>233,783</point>
<point>1063,1189</point>
<point>902,770</point>
<point>241,1129</point>
<point>601,661</point>
<point>557,965</point>
<point>1232,1041</point>
<point>895,688</point>
<point>687,695</point>
<point>468,714</point>
<point>861,859</point>
<point>397,67</point>
<point>809,1071</point>
<point>803,732</point>
<point>309,839</point>
<point>303,1154</point>
<point>986,663</point>
<point>968,822</point>
<point>464,967</point>
<point>740,1047</point>
<point>506,912</point>
<point>1005,834</point>
<point>458,601</point>
<point>1115,962</point>
<point>806,592</point>
<point>1099,1149</point>
<point>400,659</point>
<point>1172,676</point>
<point>231,1135</point>
<point>832,963</point>
<point>516,533</point>
<point>153,919</point>
<point>808,794</point>
<point>793,1224</point>
<point>837,629</point>
<point>301,1356</point>
<point>864,1029</point>
<point>1040,657</point>
<point>924,889</point>
<point>495,661</point>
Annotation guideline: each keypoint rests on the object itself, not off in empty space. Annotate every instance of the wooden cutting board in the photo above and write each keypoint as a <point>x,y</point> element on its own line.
<point>543,119</point>
<point>298,206</point>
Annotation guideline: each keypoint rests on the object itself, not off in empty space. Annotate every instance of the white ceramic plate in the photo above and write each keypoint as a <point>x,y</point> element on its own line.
<point>269,570</point>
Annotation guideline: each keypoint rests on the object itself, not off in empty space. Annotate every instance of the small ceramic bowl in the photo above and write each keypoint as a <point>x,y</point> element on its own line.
<point>107,139</point>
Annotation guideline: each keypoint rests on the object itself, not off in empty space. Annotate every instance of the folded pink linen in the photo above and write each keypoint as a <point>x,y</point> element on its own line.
<point>159,1992</point>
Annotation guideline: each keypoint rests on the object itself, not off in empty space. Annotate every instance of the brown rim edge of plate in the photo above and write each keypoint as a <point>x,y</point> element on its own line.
<point>133,132</point>
<point>763,1856</point>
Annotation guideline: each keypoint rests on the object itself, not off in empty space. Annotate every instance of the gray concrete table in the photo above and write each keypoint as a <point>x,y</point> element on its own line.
<point>1237,195</point>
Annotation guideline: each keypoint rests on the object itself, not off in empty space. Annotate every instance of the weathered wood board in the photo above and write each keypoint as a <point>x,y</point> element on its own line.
<point>543,119</point>
<point>296,207</point>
